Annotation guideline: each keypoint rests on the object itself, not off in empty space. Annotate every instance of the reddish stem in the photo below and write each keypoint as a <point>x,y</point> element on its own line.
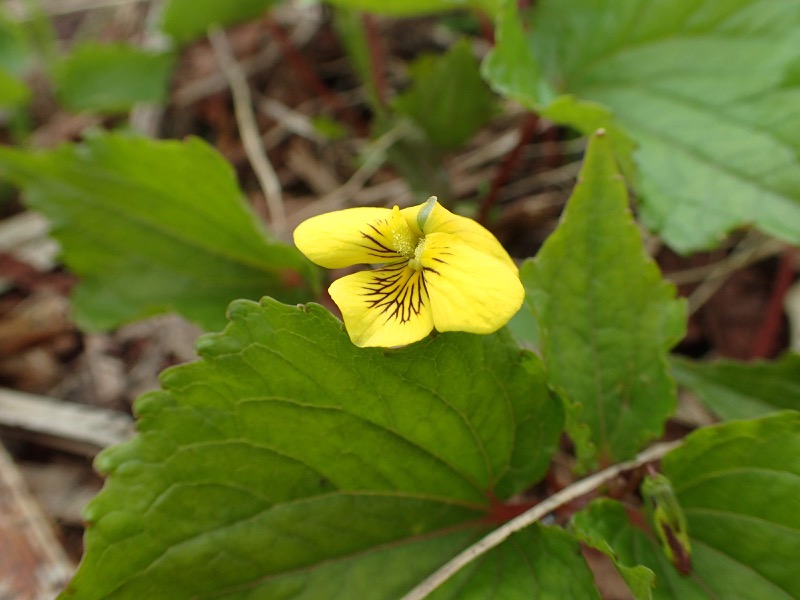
<point>552,139</point>
<point>766,339</point>
<point>28,279</point>
<point>507,167</point>
<point>501,512</point>
<point>638,519</point>
<point>376,63</point>
<point>487,26</point>
<point>306,72</point>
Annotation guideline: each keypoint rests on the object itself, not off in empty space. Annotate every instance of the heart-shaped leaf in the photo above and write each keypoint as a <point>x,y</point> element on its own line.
<point>289,463</point>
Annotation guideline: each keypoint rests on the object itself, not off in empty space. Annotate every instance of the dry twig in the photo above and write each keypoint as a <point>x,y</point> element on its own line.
<point>20,9</point>
<point>32,562</point>
<point>375,158</point>
<point>308,22</point>
<point>76,428</point>
<point>753,247</point>
<point>248,128</point>
<point>695,274</point>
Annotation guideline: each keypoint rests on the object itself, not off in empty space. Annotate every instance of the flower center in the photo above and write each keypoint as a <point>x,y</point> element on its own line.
<point>416,262</point>
<point>404,241</point>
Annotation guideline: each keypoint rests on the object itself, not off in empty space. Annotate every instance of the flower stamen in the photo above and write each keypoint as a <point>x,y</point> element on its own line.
<point>416,262</point>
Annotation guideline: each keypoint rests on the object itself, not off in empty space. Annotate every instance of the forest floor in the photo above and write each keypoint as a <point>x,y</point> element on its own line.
<point>517,172</point>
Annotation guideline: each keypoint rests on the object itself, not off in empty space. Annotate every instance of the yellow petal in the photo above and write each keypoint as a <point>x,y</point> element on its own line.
<point>355,235</point>
<point>442,220</point>
<point>386,307</point>
<point>469,290</point>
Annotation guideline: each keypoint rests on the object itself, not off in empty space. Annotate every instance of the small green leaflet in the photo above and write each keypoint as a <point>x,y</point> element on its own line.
<point>13,92</point>
<point>447,97</point>
<point>112,77</point>
<point>409,8</point>
<point>667,520</point>
<point>187,20</point>
<point>17,55</point>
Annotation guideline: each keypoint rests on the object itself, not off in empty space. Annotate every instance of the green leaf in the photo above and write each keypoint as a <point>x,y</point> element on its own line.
<point>708,90</point>
<point>589,117</point>
<point>16,50</point>
<point>16,57</point>
<point>523,325</point>
<point>604,525</point>
<point>152,227</point>
<point>447,98</point>
<point>186,20</point>
<point>13,92</point>
<point>606,318</point>
<point>511,68</point>
<point>350,31</point>
<point>112,77</point>
<point>737,390</point>
<point>289,463</point>
<point>738,484</point>
<point>538,562</point>
<point>400,8</point>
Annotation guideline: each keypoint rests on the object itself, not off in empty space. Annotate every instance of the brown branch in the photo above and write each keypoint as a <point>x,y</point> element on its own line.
<point>766,339</point>
<point>751,248</point>
<point>32,562</point>
<point>248,128</point>
<point>377,67</point>
<point>507,167</point>
<point>305,71</point>
<point>486,26</point>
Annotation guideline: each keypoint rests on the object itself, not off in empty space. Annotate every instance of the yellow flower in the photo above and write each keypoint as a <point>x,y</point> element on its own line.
<point>438,270</point>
